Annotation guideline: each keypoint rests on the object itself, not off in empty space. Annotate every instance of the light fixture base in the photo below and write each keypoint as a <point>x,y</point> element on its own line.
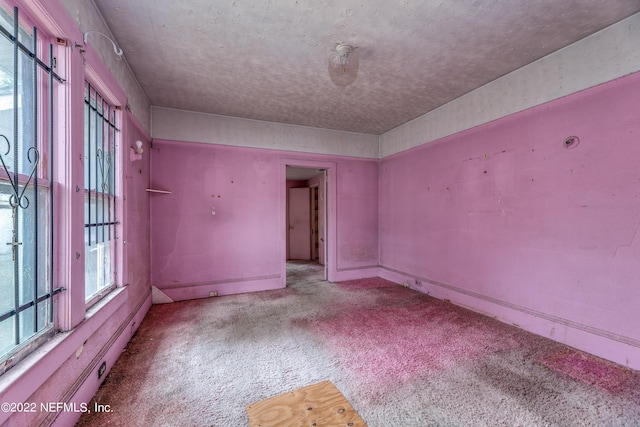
<point>343,64</point>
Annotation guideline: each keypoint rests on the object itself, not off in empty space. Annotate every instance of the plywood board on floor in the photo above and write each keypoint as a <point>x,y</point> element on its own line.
<point>316,405</point>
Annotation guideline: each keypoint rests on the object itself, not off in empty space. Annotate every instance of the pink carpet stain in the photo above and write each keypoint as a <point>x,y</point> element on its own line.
<point>402,338</point>
<point>590,369</point>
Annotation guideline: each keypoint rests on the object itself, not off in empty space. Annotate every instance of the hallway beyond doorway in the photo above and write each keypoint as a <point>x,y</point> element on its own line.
<point>299,272</point>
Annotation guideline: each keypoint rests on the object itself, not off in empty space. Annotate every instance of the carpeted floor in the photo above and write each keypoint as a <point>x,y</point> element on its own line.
<point>400,358</point>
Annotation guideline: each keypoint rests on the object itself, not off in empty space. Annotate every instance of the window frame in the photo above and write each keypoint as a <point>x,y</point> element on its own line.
<point>64,165</point>
<point>95,86</point>
<point>43,91</point>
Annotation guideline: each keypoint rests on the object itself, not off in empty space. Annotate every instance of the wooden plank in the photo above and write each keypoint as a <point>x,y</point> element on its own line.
<point>316,405</point>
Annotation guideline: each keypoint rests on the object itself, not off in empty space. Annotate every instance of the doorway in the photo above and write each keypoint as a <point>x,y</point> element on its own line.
<point>306,202</point>
<point>306,222</point>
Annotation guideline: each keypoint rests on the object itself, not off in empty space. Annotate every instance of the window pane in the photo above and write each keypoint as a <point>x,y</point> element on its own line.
<point>99,183</point>
<point>44,242</point>
<point>26,323</point>
<point>30,256</point>
<point>25,111</point>
<point>98,268</point>
<point>6,20</point>
<point>98,246</point>
<point>7,331</point>
<point>25,222</point>
<point>6,262</point>
<point>6,90</point>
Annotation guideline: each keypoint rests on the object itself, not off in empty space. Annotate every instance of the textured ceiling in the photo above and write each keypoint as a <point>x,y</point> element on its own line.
<point>267,60</point>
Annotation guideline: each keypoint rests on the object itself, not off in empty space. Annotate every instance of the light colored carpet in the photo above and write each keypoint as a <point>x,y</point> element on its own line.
<point>399,357</point>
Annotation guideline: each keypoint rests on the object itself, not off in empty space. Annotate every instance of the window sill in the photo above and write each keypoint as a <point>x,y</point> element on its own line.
<point>23,379</point>
<point>114,294</point>
<point>98,297</point>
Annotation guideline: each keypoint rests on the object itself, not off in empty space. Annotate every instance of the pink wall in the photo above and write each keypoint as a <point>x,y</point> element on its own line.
<point>242,248</point>
<point>504,219</point>
<point>357,229</point>
<point>136,223</point>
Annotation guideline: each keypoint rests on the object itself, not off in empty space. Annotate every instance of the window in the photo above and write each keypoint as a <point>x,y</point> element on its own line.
<point>100,194</point>
<point>26,199</point>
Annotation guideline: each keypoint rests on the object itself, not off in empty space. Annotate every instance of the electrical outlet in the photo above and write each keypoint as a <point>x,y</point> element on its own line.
<point>406,284</point>
<point>418,283</point>
<point>213,294</point>
<point>102,369</point>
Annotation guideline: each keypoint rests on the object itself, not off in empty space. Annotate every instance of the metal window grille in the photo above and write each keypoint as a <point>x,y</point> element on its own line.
<point>27,111</point>
<point>100,193</point>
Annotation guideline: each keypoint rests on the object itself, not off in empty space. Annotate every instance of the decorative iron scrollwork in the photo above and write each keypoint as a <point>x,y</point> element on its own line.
<point>104,161</point>
<point>18,198</point>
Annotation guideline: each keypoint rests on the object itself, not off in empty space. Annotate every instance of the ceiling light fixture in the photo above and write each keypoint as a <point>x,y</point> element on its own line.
<point>343,64</point>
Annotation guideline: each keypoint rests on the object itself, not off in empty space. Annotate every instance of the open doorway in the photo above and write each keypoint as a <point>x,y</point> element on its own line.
<point>306,224</point>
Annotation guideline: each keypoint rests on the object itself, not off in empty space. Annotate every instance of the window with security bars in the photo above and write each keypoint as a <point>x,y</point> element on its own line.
<point>100,136</point>
<point>26,196</point>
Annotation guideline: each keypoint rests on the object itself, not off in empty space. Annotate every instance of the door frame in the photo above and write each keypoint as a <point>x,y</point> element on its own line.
<point>314,190</point>
<point>330,229</point>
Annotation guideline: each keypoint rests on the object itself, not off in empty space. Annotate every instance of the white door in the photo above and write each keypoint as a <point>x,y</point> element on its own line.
<point>299,223</point>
